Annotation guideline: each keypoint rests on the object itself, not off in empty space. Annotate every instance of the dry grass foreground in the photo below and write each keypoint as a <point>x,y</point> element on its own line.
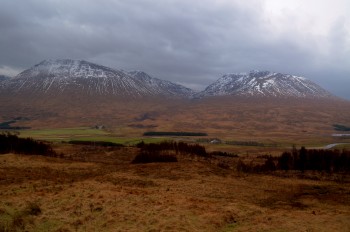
<point>51,194</point>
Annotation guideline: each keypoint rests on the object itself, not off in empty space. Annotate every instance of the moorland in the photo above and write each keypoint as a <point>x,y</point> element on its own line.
<point>99,187</point>
<point>91,181</point>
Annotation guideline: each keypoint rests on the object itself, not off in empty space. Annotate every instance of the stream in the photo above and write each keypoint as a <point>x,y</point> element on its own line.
<point>329,146</point>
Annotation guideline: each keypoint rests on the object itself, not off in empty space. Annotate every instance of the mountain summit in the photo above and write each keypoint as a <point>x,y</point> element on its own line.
<point>264,84</point>
<point>82,77</point>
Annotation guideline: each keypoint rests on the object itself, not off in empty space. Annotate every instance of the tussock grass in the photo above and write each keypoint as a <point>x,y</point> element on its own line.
<point>19,220</point>
<point>98,189</point>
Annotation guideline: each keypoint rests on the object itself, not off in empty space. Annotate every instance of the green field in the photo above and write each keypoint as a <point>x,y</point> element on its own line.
<point>83,134</point>
<point>119,140</point>
<point>91,134</point>
<point>63,133</point>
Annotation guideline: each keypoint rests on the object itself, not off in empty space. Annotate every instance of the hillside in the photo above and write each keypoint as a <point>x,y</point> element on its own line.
<point>3,78</point>
<point>264,84</point>
<point>79,77</point>
<point>167,87</point>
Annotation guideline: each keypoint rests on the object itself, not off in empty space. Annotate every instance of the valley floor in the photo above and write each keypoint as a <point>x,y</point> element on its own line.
<point>82,193</point>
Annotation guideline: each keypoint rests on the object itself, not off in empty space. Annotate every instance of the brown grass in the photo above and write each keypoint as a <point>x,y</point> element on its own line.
<point>284,121</point>
<point>99,190</point>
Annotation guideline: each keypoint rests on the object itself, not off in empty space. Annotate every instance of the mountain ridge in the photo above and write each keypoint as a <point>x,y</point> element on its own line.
<point>171,87</point>
<point>221,114</point>
<point>83,77</point>
<point>67,75</point>
<point>264,84</point>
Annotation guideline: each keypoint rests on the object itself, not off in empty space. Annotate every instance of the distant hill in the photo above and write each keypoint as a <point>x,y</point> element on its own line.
<point>264,84</point>
<point>79,77</point>
<point>82,78</point>
<point>75,93</point>
<point>164,87</point>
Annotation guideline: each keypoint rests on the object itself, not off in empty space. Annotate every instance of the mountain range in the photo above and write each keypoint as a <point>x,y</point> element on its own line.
<point>79,77</point>
<point>67,76</point>
<point>257,104</point>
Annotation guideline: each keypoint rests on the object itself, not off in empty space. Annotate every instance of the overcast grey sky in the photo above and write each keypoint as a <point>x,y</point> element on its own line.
<point>192,42</point>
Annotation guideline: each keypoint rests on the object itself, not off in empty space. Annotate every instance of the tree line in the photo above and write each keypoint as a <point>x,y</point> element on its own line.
<point>315,159</point>
<point>11,143</point>
<point>95,143</point>
<point>168,150</point>
<point>339,127</point>
<point>304,159</point>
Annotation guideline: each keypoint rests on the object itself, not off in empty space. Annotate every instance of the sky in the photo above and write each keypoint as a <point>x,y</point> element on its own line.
<point>191,42</point>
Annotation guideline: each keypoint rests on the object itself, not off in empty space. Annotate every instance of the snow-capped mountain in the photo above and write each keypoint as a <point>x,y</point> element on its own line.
<point>82,77</point>
<point>168,87</point>
<point>264,84</point>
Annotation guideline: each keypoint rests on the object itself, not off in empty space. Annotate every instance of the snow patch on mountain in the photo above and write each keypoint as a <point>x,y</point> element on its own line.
<point>264,83</point>
<point>166,87</point>
<point>58,76</point>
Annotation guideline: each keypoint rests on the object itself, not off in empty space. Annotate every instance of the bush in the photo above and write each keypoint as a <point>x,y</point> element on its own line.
<point>33,209</point>
<point>223,154</point>
<point>153,158</point>
<point>174,147</point>
<point>162,133</point>
<point>285,161</point>
<point>167,151</point>
<point>269,165</point>
<point>245,143</point>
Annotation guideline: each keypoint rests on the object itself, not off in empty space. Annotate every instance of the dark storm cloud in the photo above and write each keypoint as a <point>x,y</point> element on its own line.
<point>190,42</point>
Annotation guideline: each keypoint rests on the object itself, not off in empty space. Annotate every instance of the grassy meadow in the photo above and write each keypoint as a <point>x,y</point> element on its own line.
<point>99,189</point>
<point>264,145</point>
<point>83,134</point>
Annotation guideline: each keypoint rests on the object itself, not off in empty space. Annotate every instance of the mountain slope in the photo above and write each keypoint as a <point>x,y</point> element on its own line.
<point>82,77</point>
<point>4,78</point>
<point>264,84</point>
<point>166,86</point>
